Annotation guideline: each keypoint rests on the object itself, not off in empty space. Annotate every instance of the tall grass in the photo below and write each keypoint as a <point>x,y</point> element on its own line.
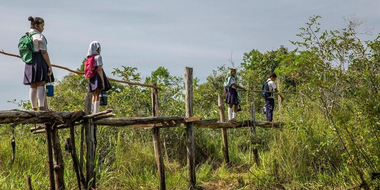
<point>305,154</point>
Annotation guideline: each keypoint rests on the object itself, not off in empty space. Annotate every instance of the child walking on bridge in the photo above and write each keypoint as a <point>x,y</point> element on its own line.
<point>99,82</point>
<point>233,98</point>
<point>269,100</point>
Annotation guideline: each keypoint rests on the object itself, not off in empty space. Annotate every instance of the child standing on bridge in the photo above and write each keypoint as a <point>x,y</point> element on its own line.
<point>233,98</point>
<point>99,82</point>
<point>37,73</point>
<point>269,101</point>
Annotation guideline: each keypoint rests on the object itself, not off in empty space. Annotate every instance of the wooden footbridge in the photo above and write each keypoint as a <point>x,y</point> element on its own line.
<point>50,122</point>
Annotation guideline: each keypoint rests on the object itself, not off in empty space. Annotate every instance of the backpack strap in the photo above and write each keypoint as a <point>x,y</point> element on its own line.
<point>93,55</point>
<point>33,33</point>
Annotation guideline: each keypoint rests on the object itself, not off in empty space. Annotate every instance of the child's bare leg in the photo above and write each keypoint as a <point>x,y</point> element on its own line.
<point>95,95</point>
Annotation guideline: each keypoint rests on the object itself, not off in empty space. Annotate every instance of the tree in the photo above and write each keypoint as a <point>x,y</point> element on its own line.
<point>336,71</point>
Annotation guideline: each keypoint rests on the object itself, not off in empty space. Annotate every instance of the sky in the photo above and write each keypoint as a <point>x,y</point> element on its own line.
<point>174,34</point>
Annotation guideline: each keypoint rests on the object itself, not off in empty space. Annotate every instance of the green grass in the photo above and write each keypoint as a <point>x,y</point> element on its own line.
<point>305,154</point>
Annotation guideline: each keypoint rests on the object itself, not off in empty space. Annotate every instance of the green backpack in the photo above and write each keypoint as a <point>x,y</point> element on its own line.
<point>25,47</point>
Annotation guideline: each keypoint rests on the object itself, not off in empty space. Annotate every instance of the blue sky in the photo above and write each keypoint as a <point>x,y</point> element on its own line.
<point>173,34</point>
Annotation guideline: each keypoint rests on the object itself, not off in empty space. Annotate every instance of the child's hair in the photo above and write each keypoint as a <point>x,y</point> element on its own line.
<point>35,21</point>
<point>273,75</point>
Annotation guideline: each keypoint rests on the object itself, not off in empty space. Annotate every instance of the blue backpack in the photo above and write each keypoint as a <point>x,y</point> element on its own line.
<point>265,88</point>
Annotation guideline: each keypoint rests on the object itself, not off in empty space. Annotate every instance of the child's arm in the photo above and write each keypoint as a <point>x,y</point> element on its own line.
<point>45,55</point>
<point>100,72</point>
<point>237,86</point>
<point>282,97</point>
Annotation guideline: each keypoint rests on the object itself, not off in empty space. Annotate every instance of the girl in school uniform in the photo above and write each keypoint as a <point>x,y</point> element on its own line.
<point>40,71</point>
<point>99,82</point>
<point>231,86</point>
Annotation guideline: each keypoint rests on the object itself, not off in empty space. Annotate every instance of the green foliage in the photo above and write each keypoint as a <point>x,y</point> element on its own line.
<point>69,97</point>
<point>336,73</point>
<point>330,140</point>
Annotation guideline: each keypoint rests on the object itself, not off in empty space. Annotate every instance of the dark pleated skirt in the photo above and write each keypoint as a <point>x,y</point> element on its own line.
<point>37,71</point>
<point>232,97</point>
<point>96,83</point>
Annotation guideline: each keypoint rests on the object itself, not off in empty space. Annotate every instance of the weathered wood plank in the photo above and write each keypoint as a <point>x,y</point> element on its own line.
<point>157,141</point>
<point>28,114</point>
<point>29,182</point>
<point>59,166</point>
<point>81,153</point>
<point>247,123</point>
<point>159,157</point>
<point>31,117</point>
<point>252,113</point>
<point>194,118</point>
<point>190,126</point>
<point>78,171</point>
<point>50,155</point>
<point>170,123</point>
<point>279,100</point>
<point>90,144</point>
<point>121,122</point>
<point>97,114</point>
<point>224,130</point>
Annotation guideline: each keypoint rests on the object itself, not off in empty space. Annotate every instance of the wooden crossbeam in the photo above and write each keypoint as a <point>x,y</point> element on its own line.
<point>34,117</point>
<point>97,114</point>
<point>120,122</point>
<point>31,117</point>
<point>247,123</point>
<point>170,123</point>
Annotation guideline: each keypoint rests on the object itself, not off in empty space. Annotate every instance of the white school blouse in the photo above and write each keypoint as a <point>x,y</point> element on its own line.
<point>233,81</point>
<point>39,41</point>
<point>272,87</point>
<point>98,60</point>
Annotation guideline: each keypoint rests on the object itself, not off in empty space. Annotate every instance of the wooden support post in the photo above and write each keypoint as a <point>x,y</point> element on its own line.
<point>59,166</point>
<point>90,144</point>
<point>159,158</point>
<point>29,182</point>
<point>279,100</point>
<point>253,128</point>
<point>154,97</point>
<point>81,151</point>
<point>190,126</point>
<point>224,130</point>
<point>50,155</point>
<point>77,169</point>
<point>157,141</point>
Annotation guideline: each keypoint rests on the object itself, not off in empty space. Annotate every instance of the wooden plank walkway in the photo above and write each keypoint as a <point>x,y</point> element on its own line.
<point>246,123</point>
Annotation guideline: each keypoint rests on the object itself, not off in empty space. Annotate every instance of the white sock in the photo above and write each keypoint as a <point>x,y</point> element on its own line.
<point>97,104</point>
<point>92,107</point>
<point>233,115</point>
<point>41,96</point>
<point>33,97</point>
<point>95,107</point>
<point>229,113</point>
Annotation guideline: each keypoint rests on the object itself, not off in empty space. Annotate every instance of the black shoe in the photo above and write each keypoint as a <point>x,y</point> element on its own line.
<point>239,108</point>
